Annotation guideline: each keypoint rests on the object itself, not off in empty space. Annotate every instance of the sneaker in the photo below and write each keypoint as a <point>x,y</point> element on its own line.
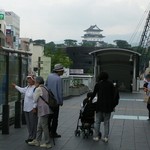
<point>105,140</point>
<point>46,145</point>
<point>34,143</point>
<point>55,135</point>
<point>96,138</point>
<point>28,140</point>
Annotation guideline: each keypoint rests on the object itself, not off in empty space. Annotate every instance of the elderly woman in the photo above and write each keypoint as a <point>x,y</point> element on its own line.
<point>29,107</point>
<point>41,93</point>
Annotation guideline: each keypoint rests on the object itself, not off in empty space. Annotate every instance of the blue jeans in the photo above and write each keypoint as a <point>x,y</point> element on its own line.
<point>100,117</point>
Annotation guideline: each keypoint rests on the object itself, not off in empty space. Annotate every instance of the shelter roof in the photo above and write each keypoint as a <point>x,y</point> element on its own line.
<point>114,50</point>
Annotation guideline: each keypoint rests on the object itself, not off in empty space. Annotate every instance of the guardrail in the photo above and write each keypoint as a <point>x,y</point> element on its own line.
<point>72,86</point>
<point>77,84</point>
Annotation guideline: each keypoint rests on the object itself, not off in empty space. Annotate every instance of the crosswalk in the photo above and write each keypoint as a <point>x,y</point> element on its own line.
<point>130,117</point>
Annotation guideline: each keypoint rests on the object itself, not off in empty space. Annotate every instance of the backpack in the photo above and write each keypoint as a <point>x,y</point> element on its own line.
<point>52,102</point>
<point>116,96</point>
<point>145,84</point>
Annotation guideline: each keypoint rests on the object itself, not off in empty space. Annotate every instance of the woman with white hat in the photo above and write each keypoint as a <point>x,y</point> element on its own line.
<point>29,107</point>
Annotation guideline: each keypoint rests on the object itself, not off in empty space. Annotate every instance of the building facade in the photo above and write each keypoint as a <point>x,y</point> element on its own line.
<point>12,29</point>
<point>2,28</point>
<point>9,29</point>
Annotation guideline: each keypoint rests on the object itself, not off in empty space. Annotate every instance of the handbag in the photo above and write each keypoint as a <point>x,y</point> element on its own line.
<point>148,101</point>
<point>146,97</point>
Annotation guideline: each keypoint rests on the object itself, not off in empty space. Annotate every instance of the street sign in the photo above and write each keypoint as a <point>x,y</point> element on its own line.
<point>1,16</point>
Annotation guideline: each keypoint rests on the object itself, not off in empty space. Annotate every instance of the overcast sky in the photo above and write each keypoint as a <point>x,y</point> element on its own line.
<point>57,20</point>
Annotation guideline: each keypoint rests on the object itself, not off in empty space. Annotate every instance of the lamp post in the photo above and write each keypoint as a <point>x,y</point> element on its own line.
<point>5,116</point>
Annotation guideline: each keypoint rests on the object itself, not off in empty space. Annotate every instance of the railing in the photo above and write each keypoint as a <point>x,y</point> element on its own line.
<point>72,86</point>
<point>76,85</point>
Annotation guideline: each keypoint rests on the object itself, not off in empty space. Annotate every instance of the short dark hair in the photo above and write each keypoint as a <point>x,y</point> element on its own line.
<point>147,76</point>
<point>39,80</point>
<point>89,94</point>
<point>103,76</point>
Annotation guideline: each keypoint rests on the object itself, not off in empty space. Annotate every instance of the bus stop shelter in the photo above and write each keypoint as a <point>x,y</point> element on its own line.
<point>122,65</point>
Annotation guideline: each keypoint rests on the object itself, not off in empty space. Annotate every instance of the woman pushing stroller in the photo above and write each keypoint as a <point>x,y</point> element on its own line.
<point>107,99</point>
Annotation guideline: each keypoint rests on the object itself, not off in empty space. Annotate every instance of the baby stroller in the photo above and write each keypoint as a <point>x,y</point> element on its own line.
<point>85,123</point>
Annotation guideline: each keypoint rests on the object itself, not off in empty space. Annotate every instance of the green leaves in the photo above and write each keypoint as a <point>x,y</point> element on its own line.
<point>58,55</point>
<point>122,44</point>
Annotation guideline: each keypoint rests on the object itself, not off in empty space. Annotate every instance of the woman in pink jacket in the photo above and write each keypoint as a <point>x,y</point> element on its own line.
<point>43,113</point>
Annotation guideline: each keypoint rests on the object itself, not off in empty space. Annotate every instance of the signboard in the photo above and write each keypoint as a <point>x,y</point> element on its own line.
<point>1,16</point>
<point>76,71</point>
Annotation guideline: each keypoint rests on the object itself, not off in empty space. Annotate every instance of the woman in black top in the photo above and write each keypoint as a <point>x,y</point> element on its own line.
<point>106,103</point>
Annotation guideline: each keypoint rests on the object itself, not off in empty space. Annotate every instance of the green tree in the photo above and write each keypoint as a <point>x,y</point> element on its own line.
<point>49,48</point>
<point>40,42</point>
<point>89,44</point>
<point>110,45</point>
<point>57,55</point>
<point>122,44</point>
<point>70,42</point>
<point>60,56</point>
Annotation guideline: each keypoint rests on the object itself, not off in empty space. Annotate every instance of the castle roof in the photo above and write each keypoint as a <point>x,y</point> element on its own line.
<point>93,28</point>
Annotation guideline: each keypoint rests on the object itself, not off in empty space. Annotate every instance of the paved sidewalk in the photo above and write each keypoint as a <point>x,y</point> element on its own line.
<point>129,128</point>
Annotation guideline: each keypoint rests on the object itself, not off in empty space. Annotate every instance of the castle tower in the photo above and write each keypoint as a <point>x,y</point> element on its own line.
<point>93,35</point>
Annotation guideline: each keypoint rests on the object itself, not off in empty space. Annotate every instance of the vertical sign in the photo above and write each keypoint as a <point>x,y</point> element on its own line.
<point>2,15</point>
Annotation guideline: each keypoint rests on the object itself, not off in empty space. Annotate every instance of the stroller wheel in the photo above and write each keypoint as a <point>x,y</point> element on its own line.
<point>77,132</point>
<point>85,134</point>
<point>91,132</point>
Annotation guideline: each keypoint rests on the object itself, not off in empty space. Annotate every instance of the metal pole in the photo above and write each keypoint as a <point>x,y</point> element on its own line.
<point>27,71</point>
<point>5,116</point>
<point>134,73</point>
<point>18,102</point>
<point>95,68</point>
<point>39,66</point>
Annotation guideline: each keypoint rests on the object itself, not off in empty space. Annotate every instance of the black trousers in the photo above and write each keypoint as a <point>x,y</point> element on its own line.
<point>148,107</point>
<point>53,121</point>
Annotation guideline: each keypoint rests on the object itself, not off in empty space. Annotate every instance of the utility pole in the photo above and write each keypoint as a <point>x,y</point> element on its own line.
<point>39,65</point>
